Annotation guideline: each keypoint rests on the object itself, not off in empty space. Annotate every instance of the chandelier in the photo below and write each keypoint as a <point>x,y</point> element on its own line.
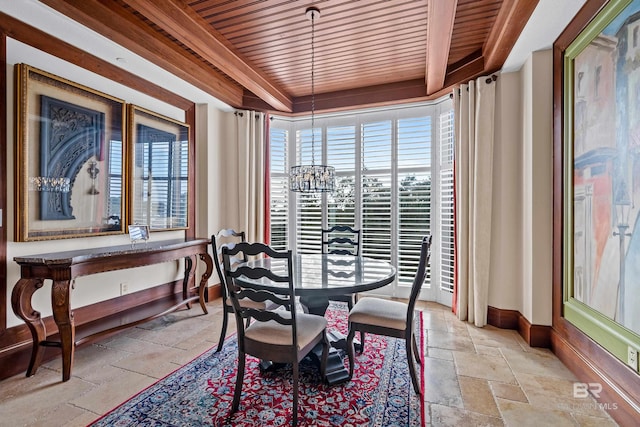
<point>312,178</point>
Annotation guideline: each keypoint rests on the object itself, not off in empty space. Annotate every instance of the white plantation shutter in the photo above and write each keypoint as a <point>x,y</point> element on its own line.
<point>376,216</point>
<point>163,189</point>
<point>114,183</point>
<point>308,205</point>
<point>279,188</point>
<point>414,193</point>
<point>376,189</point>
<point>163,184</point>
<point>180,184</point>
<point>387,185</point>
<point>341,154</point>
<point>446,201</point>
<point>309,223</point>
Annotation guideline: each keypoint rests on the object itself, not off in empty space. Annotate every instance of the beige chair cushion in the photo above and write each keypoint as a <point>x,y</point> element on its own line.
<point>248,303</point>
<point>272,332</point>
<point>258,305</point>
<point>380,312</point>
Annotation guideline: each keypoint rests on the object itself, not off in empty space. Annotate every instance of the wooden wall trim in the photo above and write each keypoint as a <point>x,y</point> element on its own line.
<point>190,119</point>
<point>621,402</point>
<point>3,183</point>
<point>501,318</point>
<point>15,345</point>
<point>588,361</point>
<point>214,292</point>
<point>534,335</point>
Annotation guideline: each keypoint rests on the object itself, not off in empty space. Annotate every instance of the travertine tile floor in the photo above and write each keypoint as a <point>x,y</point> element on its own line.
<point>473,376</point>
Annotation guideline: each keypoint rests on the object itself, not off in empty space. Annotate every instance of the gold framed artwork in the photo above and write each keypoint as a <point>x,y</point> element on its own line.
<point>69,160</point>
<point>159,170</point>
<point>601,179</point>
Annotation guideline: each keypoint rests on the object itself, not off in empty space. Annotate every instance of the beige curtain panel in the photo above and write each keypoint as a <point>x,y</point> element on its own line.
<point>474,107</point>
<point>251,170</point>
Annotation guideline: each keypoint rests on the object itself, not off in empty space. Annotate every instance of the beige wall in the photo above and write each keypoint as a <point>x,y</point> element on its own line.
<point>542,200</point>
<point>521,248</point>
<point>211,139</point>
<point>537,191</point>
<point>213,168</point>
<point>505,290</point>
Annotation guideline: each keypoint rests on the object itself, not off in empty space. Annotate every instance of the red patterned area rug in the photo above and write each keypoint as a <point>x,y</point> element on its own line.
<point>200,393</point>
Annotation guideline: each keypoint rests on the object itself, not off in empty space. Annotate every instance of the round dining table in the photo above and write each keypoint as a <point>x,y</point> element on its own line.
<point>316,277</point>
<point>319,276</point>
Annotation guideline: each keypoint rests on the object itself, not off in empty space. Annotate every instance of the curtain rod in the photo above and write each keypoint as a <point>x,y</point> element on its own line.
<point>489,79</point>
<point>241,114</point>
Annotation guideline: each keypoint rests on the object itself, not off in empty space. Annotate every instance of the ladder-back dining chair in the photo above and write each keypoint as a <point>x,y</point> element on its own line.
<point>391,318</point>
<point>341,240</point>
<point>225,238</point>
<point>281,335</point>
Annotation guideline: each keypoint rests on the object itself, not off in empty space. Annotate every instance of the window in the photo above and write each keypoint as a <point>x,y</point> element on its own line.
<point>162,181</point>
<point>392,182</point>
<point>114,184</point>
<point>446,201</point>
<point>279,188</point>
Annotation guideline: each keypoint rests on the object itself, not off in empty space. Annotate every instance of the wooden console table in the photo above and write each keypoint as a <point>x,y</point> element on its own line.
<point>63,267</point>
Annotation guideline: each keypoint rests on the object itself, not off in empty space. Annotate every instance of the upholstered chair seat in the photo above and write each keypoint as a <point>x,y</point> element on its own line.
<point>308,327</point>
<point>379,312</point>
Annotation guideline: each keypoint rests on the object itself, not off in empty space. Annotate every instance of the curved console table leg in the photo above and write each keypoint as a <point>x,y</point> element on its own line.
<point>63,316</point>
<point>189,262</point>
<point>21,304</point>
<point>202,288</point>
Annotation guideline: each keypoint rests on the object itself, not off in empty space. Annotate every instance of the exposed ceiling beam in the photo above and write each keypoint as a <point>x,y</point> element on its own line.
<point>188,27</point>
<point>27,34</point>
<point>440,17</point>
<point>124,28</point>
<point>469,69</point>
<point>510,22</point>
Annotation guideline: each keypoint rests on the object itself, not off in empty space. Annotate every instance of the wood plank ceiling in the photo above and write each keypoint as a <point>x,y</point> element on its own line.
<point>257,53</point>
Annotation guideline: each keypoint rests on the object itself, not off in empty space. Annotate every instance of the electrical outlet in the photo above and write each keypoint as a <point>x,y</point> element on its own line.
<point>632,358</point>
<point>124,288</point>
